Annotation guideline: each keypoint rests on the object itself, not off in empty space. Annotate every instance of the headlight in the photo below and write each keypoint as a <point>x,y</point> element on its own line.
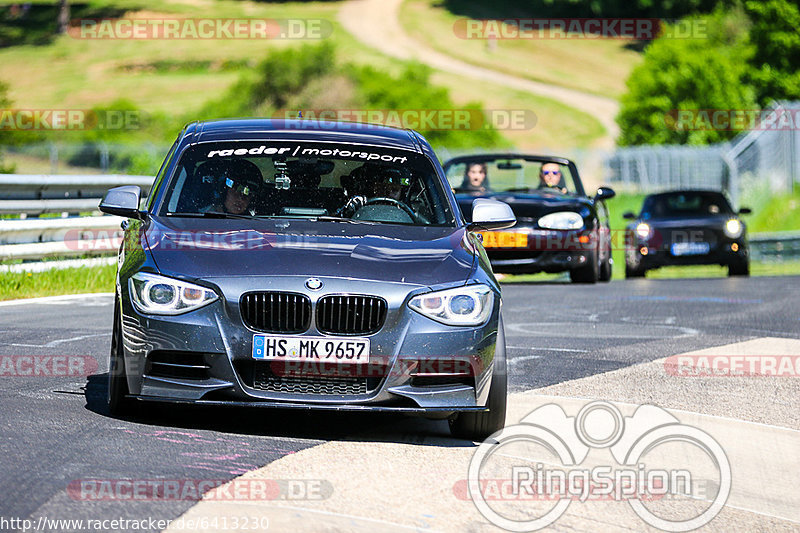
<point>158,295</point>
<point>733,228</point>
<point>561,220</point>
<point>643,230</point>
<point>470,305</point>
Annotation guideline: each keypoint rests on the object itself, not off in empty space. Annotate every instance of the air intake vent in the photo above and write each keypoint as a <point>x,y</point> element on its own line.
<point>177,365</point>
<point>350,315</point>
<point>276,312</point>
<point>265,380</point>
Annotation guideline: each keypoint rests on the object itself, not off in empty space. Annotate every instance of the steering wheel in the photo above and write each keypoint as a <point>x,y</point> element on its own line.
<point>392,201</point>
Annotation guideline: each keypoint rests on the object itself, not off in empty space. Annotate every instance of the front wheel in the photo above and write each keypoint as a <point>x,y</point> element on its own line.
<point>478,426</point>
<point>119,404</point>
<point>589,273</point>
<point>632,272</point>
<point>606,268</point>
<point>739,268</point>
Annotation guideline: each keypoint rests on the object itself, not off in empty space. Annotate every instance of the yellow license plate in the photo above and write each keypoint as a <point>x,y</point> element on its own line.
<point>504,239</point>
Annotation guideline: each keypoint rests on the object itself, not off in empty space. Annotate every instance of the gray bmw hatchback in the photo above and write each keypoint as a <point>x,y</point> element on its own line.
<point>294,264</point>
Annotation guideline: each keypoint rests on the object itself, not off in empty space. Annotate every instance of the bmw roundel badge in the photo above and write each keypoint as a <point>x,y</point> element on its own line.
<point>314,284</point>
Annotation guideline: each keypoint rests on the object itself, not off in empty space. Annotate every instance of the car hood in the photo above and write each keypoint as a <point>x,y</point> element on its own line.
<point>530,205</point>
<point>205,248</point>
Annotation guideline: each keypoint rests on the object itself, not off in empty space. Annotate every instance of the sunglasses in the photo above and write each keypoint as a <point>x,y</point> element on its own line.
<point>241,189</point>
<point>553,172</point>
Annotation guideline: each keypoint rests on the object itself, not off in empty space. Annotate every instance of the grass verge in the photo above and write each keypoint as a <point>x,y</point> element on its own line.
<point>14,285</point>
<point>598,66</point>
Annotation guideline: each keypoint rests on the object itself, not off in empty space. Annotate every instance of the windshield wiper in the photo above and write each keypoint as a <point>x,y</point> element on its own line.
<point>328,218</point>
<point>215,214</point>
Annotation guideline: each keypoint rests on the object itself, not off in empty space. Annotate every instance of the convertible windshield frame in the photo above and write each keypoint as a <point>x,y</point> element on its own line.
<point>528,158</point>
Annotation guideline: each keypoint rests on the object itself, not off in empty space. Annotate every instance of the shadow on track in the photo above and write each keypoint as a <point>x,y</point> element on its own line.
<point>289,423</point>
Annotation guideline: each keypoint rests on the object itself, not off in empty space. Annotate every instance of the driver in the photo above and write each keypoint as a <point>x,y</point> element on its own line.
<point>387,184</point>
<point>550,177</point>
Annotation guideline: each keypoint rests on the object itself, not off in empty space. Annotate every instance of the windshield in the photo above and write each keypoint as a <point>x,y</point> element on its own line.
<point>352,183</point>
<point>511,175</point>
<point>685,204</point>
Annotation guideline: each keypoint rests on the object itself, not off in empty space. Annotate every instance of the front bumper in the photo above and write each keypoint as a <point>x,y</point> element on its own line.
<point>721,253</point>
<point>536,250</point>
<point>214,349</point>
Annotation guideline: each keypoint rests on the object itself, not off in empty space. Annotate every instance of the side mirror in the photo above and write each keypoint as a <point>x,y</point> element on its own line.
<point>491,214</point>
<point>627,215</point>
<point>122,201</point>
<point>745,211</point>
<point>605,193</point>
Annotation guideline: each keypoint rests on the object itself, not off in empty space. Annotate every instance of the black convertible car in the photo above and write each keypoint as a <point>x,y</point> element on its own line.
<point>559,227</point>
<point>686,228</point>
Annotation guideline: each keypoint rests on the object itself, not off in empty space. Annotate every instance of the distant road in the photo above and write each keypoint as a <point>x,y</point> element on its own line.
<point>376,23</point>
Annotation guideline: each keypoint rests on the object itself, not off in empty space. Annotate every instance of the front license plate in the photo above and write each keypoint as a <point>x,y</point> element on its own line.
<point>342,350</point>
<point>690,248</point>
<point>504,239</point>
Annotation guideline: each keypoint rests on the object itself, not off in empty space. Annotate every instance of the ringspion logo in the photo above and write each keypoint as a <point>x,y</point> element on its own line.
<point>541,461</point>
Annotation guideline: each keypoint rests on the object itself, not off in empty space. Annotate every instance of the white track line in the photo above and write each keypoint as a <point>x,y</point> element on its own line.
<point>50,299</point>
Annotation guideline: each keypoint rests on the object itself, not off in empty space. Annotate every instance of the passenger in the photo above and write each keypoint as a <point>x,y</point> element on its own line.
<point>476,179</point>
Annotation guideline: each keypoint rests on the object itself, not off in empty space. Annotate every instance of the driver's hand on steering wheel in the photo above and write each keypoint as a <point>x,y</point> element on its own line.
<point>353,204</point>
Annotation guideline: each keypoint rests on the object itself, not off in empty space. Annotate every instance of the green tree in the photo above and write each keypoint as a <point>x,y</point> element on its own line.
<point>775,34</point>
<point>688,74</point>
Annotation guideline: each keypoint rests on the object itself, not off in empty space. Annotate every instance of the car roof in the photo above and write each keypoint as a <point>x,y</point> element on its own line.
<point>242,129</point>
<point>686,191</point>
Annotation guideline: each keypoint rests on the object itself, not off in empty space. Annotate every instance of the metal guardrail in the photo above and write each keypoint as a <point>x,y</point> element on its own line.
<point>27,238</point>
<point>38,194</point>
<point>39,238</point>
<point>778,246</point>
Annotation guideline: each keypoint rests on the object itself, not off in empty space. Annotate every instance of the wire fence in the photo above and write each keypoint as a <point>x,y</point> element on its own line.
<point>763,160</point>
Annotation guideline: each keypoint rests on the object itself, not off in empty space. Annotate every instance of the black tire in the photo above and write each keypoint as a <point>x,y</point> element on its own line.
<point>479,426</point>
<point>586,274</point>
<point>119,404</point>
<point>739,268</point>
<point>606,269</point>
<point>633,272</point>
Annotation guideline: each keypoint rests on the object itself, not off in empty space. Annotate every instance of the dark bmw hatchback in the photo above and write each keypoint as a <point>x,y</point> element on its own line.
<point>687,227</point>
<point>303,265</point>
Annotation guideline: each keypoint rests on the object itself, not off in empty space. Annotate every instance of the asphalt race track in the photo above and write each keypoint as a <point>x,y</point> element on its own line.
<point>55,430</point>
